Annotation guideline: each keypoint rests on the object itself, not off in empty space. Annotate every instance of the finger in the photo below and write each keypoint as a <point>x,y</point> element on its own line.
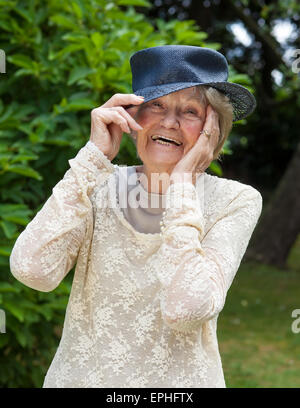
<point>208,109</point>
<point>123,99</point>
<point>122,122</point>
<point>215,129</point>
<point>205,132</point>
<point>211,127</point>
<point>116,132</point>
<point>131,122</point>
<point>211,117</point>
<point>113,116</point>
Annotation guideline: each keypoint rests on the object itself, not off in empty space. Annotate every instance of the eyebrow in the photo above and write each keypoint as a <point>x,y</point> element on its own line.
<point>193,98</point>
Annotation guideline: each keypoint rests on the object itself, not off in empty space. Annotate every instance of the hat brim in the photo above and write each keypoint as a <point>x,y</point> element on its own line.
<point>242,100</point>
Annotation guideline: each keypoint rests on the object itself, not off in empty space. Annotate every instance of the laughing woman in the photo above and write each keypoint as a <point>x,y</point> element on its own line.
<point>156,246</point>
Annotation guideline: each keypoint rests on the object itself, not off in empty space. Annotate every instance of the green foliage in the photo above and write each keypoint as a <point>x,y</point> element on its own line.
<point>33,328</point>
<point>257,345</point>
<point>63,59</point>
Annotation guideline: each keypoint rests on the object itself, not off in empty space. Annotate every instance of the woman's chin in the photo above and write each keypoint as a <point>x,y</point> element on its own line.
<point>170,153</point>
<point>164,158</point>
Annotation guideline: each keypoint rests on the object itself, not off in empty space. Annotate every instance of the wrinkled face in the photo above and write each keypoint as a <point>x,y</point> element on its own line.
<point>180,116</point>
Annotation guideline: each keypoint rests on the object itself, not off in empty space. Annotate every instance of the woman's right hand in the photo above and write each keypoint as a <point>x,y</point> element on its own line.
<point>109,121</point>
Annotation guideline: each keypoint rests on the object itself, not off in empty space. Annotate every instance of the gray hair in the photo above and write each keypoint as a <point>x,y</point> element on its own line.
<point>222,105</point>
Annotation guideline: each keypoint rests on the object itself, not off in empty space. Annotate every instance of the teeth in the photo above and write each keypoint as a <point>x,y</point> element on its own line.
<point>157,136</point>
<point>161,142</point>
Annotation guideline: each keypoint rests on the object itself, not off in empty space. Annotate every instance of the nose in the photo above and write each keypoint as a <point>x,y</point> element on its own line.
<point>170,120</point>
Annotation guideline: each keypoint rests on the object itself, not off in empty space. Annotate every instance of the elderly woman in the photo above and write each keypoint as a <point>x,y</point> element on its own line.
<point>157,246</point>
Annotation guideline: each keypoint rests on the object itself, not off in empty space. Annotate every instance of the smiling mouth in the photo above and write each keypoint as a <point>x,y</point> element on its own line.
<point>165,141</point>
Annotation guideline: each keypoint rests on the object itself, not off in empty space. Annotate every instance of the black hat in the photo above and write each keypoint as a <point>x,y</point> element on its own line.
<point>158,71</point>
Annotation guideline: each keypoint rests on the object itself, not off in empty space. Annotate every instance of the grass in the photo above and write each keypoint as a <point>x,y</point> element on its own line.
<point>256,342</point>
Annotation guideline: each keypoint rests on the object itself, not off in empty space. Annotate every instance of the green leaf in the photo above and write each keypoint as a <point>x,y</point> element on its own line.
<point>214,46</point>
<point>79,73</point>
<point>69,49</point>
<point>5,157</point>
<point>21,337</point>
<point>25,171</point>
<point>190,35</point>
<point>64,21</point>
<point>4,250</point>
<point>24,13</point>
<point>98,39</point>
<point>21,60</point>
<point>140,3</point>
<point>17,219</point>
<point>216,168</point>
<point>17,213</point>
<point>10,111</point>
<point>7,287</point>
<point>58,142</point>
<point>241,79</point>
<point>15,310</point>
<point>8,210</point>
<point>240,122</point>
<point>77,37</point>
<point>9,228</point>
<point>24,157</point>
<point>77,10</point>
<point>59,304</point>
<point>5,25</point>
<point>80,104</point>
<point>4,261</point>
<point>46,312</point>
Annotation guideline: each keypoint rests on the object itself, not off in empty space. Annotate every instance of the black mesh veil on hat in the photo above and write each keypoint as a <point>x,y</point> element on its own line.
<point>158,71</point>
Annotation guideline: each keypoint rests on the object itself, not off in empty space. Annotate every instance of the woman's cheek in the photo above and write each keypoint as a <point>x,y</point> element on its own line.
<point>193,131</point>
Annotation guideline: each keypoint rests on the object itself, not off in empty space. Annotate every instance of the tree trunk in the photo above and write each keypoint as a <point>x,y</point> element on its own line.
<point>279,225</point>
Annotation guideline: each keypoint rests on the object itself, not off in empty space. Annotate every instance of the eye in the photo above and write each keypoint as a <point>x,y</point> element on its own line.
<point>191,111</point>
<point>157,104</point>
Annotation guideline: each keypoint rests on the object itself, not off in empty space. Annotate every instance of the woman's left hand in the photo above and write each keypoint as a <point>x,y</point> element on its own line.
<point>199,157</point>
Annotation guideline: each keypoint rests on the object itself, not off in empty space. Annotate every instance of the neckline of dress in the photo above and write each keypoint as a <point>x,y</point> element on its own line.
<point>144,191</point>
<point>114,203</point>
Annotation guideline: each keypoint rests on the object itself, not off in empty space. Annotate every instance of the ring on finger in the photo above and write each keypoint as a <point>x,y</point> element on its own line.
<point>205,132</point>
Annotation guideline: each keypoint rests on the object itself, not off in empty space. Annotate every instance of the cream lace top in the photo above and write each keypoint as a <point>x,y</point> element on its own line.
<point>143,307</point>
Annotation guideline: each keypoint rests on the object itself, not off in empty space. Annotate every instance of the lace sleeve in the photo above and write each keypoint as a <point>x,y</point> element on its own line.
<point>196,271</point>
<point>47,249</point>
